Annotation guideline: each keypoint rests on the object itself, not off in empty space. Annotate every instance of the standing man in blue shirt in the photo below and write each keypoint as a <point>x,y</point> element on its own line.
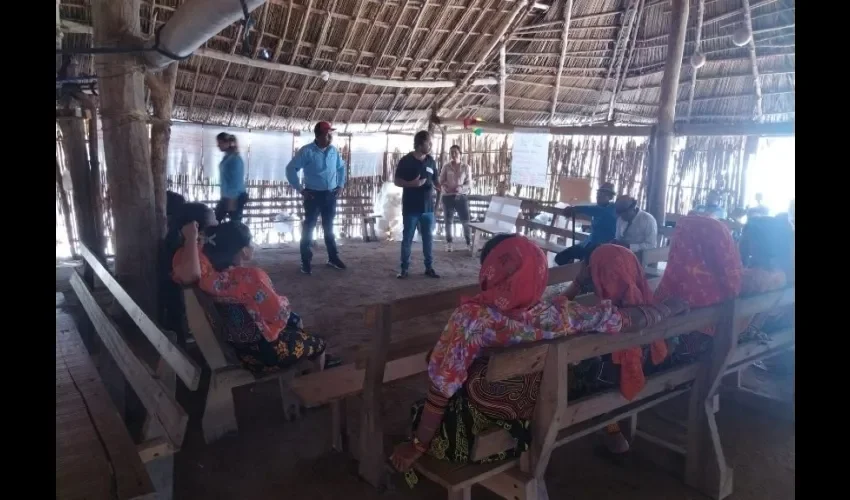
<point>231,171</point>
<point>324,178</point>
<point>603,225</point>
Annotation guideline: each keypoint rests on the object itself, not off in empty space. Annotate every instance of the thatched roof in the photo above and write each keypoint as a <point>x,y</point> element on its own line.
<point>429,40</point>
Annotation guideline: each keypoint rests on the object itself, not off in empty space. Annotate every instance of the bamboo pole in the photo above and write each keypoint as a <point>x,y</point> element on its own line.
<point>664,131</point>
<point>503,77</point>
<point>568,12</point>
<point>697,45</point>
<point>751,49</point>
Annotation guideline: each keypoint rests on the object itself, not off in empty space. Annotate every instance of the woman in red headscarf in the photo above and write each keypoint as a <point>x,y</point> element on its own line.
<point>460,402</point>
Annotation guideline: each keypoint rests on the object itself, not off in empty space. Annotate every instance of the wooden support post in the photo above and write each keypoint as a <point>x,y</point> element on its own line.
<point>503,79</point>
<point>115,23</point>
<point>663,132</point>
<point>568,13</point>
<point>162,88</point>
<point>372,457</point>
<point>66,208</point>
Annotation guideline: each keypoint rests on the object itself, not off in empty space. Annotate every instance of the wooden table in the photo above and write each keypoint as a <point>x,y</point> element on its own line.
<point>95,455</point>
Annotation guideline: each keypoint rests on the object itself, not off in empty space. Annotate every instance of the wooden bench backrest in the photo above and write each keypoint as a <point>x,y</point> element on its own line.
<point>207,328</point>
<point>164,412</point>
<point>547,421</point>
<point>653,255</point>
<point>503,213</point>
<point>183,366</point>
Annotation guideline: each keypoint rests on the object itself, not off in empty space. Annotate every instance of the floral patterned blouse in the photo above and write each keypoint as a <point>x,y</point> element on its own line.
<point>473,327</point>
<point>249,286</point>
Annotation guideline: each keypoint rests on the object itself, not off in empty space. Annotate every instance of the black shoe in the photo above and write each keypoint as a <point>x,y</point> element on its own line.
<point>402,275</point>
<point>431,273</point>
<point>332,361</point>
<point>306,269</point>
<point>336,263</point>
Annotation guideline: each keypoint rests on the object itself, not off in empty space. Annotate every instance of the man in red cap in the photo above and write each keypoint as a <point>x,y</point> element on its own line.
<point>323,179</point>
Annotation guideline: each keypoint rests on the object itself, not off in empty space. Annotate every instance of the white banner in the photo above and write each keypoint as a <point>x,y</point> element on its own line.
<point>367,154</point>
<point>530,159</point>
<point>269,155</point>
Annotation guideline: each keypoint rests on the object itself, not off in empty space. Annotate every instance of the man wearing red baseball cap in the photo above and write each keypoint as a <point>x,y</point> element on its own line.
<point>323,178</point>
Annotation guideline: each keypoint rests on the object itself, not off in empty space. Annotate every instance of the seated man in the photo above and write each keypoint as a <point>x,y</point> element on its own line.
<point>712,206</point>
<point>636,229</point>
<point>603,225</point>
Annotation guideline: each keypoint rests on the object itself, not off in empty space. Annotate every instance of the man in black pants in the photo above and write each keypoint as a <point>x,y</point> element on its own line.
<point>324,178</point>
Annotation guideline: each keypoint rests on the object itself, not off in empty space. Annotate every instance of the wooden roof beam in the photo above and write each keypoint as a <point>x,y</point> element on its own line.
<point>263,20</point>
<point>751,49</point>
<point>568,12</point>
<point>224,73</point>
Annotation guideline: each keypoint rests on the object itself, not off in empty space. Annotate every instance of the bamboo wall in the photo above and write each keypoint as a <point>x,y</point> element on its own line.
<point>700,164</point>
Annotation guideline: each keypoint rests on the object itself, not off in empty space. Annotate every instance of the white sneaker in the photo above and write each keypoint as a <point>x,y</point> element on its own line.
<point>449,247</point>
<point>470,248</point>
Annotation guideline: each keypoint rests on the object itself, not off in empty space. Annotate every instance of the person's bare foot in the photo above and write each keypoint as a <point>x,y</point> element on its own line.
<point>616,443</point>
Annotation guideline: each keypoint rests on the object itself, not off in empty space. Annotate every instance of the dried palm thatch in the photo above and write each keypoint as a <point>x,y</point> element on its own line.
<point>613,63</point>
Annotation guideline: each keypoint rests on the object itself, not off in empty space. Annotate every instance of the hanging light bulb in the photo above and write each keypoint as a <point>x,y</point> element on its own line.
<point>741,36</point>
<point>697,60</point>
<point>264,54</point>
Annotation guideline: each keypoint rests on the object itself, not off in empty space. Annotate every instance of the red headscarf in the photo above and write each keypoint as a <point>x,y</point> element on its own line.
<point>704,266</point>
<point>513,277</point>
<point>618,276</point>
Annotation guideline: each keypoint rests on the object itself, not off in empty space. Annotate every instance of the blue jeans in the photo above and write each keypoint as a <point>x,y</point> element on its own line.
<point>319,203</point>
<point>425,223</point>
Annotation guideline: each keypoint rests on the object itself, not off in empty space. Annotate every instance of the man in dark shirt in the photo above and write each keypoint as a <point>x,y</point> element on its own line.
<point>417,174</point>
<point>603,225</point>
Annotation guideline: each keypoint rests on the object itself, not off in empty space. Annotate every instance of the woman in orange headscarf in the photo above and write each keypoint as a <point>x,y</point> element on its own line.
<point>460,402</point>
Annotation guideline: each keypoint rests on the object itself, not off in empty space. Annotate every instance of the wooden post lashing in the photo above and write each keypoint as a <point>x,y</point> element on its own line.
<point>663,140</point>
<point>372,458</point>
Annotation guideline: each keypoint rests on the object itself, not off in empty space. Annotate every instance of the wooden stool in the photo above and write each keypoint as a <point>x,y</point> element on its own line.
<point>368,228</point>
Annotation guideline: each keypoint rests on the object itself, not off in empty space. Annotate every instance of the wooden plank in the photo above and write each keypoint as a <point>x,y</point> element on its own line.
<point>110,450</point>
<point>491,442</point>
<point>513,484</point>
<point>517,362</point>
<point>203,332</point>
<point>184,366</point>
<point>653,255</point>
<point>548,412</point>
<point>454,476</point>
<point>372,458</point>
<point>590,407</point>
<point>150,390</point>
<point>751,352</point>
<point>155,449</point>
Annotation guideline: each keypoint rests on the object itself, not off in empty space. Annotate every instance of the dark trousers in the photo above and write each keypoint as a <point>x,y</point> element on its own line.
<point>575,252</point>
<point>460,203</point>
<point>315,204</point>
<point>221,210</point>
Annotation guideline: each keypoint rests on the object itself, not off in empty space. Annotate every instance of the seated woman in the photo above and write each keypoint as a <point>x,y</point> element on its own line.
<point>704,268</point>
<point>266,335</point>
<point>460,403</point>
<point>172,310</point>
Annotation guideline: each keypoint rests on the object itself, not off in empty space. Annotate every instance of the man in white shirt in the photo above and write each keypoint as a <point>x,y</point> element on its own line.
<point>636,229</point>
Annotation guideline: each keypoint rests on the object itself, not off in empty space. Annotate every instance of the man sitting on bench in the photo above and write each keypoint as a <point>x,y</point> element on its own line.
<point>460,403</point>
<point>636,229</point>
<point>603,225</point>
<point>266,335</point>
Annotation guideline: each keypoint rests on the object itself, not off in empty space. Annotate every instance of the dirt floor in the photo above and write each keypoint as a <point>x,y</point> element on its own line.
<point>272,458</point>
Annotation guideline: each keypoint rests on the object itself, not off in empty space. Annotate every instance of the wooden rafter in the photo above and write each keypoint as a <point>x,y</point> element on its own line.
<point>697,46</point>
<point>497,39</point>
<point>410,69</point>
<point>249,70</point>
<point>634,9</point>
<point>349,32</point>
<point>454,53</point>
<point>751,49</point>
<point>316,51</point>
<point>568,12</point>
<point>223,73</point>
<point>291,58</point>
<point>377,62</point>
<point>360,55</point>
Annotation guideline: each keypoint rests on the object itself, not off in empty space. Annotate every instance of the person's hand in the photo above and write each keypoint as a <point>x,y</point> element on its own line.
<point>306,194</point>
<point>420,181</point>
<point>677,306</point>
<point>404,455</point>
<point>190,231</point>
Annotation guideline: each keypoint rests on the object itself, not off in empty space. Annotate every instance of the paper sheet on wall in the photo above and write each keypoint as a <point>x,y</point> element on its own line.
<point>530,160</point>
<point>185,148</point>
<point>367,154</point>
<point>269,155</point>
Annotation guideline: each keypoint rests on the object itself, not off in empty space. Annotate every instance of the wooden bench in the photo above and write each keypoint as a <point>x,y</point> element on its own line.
<point>226,371</point>
<point>165,425</point>
<point>528,226</point>
<point>501,217</point>
<point>556,421</point>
